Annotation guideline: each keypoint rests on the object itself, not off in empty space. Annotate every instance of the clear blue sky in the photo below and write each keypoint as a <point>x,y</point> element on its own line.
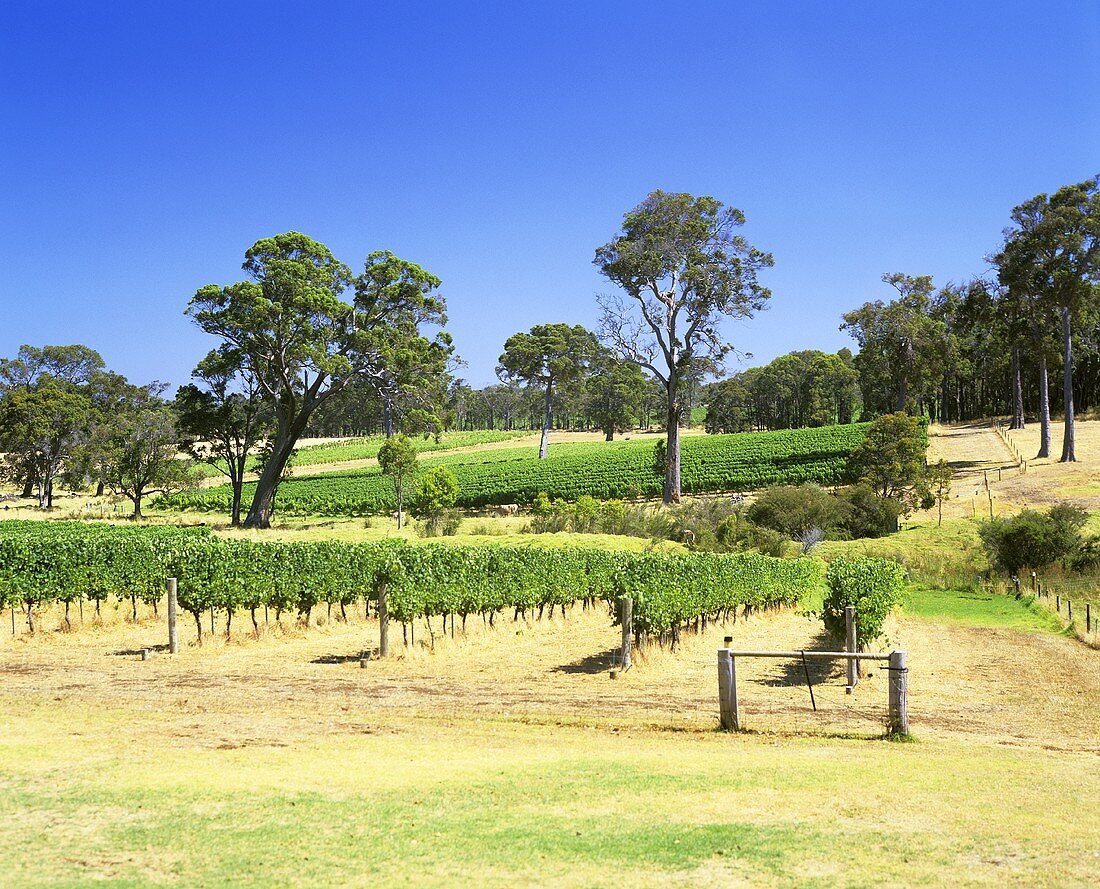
<point>143,149</point>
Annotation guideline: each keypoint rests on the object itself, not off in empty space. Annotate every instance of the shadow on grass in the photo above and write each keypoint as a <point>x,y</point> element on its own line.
<point>792,672</point>
<point>136,652</point>
<point>340,658</point>
<point>591,665</point>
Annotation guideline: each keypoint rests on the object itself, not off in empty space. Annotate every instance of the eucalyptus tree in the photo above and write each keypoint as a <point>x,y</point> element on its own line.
<point>1053,247</point>
<point>222,417</point>
<point>397,459</point>
<point>549,358</point>
<point>901,344</point>
<point>303,344</point>
<point>684,269</point>
<point>140,452</point>
<point>613,394</point>
<point>41,428</point>
<point>68,367</point>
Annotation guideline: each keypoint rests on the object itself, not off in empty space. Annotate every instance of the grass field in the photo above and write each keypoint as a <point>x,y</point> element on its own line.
<point>509,757</point>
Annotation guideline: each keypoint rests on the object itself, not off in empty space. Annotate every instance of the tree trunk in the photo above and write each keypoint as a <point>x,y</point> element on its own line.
<point>672,447</point>
<point>903,393</point>
<point>28,486</point>
<point>49,494</point>
<point>1017,392</point>
<point>545,441</point>
<point>236,480</point>
<point>387,417</point>
<point>137,507</point>
<point>263,502</point>
<point>1068,451</point>
<point>609,434</point>
<point>1044,409</point>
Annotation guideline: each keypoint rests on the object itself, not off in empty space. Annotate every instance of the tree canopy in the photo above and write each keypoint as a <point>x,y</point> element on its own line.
<point>289,330</point>
<point>685,270</point>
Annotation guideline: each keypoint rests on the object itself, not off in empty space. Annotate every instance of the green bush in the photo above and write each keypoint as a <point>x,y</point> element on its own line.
<point>872,586</point>
<point>1032,539</point>
<point>863,513</point>
<point>433,502</point>
<point>45,562</point>
<point>792,510</point>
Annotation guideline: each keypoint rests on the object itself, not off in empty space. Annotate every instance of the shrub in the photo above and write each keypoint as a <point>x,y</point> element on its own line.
<point>434,500</point>
<point>871,586</point>
<point>792,510</point>
<point>1032,539</point>
<point>863,513</point>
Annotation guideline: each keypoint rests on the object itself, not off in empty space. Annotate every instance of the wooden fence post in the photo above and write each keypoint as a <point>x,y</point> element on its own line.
<point>1088,617</point>
<point>727,691</point>
<point>383,623</point>
<point>627,618</point>
<point>173,629</point>
<point>899,694</point>
<point>850,665</point>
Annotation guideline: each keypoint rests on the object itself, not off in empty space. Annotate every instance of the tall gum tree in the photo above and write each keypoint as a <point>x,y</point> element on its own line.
<point>549,358</point>
<point>901,344</point>
<point>302,342</point>
<point>684,269</point>
<point>1059,237</point>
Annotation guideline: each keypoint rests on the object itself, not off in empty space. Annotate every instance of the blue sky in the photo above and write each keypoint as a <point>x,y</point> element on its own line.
<point>144,147</point>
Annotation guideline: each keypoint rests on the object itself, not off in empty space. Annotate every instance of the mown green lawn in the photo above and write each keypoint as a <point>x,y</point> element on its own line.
<point>979,608</point>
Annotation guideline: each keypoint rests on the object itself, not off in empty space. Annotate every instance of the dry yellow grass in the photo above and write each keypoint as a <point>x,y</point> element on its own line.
<point>509,756</point>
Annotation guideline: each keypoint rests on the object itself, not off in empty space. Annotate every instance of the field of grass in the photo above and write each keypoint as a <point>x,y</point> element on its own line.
<point>605,470</point>
<point>366,447</point>
<point>508,758</point>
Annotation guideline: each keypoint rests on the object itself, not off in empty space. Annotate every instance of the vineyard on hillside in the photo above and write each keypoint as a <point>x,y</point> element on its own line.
<point>46,562</point>
<point>606,470</point>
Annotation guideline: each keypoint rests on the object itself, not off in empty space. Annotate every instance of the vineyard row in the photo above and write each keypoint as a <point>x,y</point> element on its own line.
<point>47,562</point>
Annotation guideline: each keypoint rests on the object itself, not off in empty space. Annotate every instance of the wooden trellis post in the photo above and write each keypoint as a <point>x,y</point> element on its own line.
<point>173,617</point>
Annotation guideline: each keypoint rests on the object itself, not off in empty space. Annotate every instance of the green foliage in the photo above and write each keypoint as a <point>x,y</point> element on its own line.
<point>872,586</point>
<point>856,512</point>
<point>808,388</point>
<point>866,514</point>
<point>140,453</point>
<point>397,458</point>
<point>289,327</point>
<point>890,459</point>
<point>46,562</point>
<point>669,592</point>
<point>1032,539</point>
<point>438,490</point>
<point>793,510</point>
<point>736,532</point>
<point>613,395</point>
<point>434,500</point>
<point>903,344</point>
